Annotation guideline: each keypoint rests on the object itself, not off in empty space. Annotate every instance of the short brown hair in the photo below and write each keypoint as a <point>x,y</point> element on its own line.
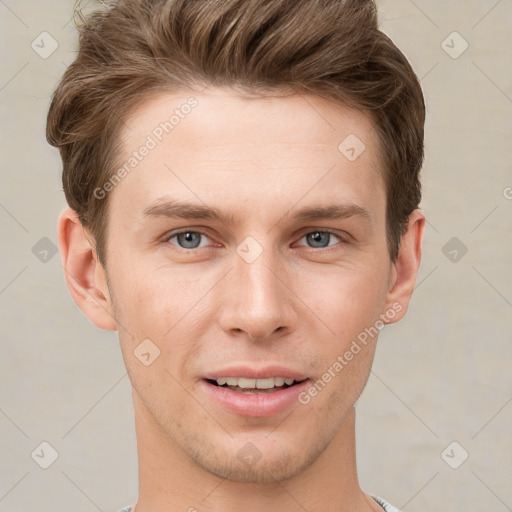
<point>330,48</point>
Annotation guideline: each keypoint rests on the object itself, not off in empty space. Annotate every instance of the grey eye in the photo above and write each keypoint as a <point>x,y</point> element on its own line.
<point>188,239</point>
<point>319,239</point>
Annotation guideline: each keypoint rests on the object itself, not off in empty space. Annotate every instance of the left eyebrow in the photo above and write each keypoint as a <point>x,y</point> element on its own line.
<point>333,212</point>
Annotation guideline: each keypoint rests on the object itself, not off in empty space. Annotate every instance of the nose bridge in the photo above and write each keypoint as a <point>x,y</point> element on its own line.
<point>258,301</point>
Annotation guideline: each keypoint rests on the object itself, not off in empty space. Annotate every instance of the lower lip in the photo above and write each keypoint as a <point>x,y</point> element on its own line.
<point>255,405</point>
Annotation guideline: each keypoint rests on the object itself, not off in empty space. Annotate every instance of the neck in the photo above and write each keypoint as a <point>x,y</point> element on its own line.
<point>169,481</point>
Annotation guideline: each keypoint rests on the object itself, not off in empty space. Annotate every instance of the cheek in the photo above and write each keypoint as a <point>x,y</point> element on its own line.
<point>346,299</point>
<point>348,305</point>
<point>154,313</point>
<point>166,307</point>
<point>152,300</point>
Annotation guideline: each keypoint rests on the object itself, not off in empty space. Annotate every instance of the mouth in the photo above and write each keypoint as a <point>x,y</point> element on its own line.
<point>253,386</point>
<point>255,398</point>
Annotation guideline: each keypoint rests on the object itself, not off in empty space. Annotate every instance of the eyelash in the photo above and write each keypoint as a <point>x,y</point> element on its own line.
<point>174,234</point>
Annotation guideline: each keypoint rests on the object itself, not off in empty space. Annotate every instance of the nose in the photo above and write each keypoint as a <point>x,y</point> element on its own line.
<point>257,300</point>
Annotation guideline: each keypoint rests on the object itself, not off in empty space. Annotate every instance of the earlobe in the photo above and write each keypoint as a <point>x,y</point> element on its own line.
<point>84,274</point>
<point>405,268</point>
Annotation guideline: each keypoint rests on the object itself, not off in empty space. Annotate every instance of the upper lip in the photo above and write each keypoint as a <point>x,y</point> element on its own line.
<point>251,372</point>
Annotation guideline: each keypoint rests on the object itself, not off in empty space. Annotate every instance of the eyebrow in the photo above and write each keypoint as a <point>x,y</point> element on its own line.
<point>333,212</point>
<point>183,210</point>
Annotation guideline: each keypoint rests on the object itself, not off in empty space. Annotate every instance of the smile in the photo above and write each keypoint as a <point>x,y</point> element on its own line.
<point>245,385</point>
<point>254,398</point>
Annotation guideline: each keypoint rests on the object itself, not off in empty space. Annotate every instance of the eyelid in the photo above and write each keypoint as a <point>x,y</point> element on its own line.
<point>178,231</point>
<point>319,229</point>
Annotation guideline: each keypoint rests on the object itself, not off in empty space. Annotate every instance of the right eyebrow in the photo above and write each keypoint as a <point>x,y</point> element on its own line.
<point>172,208</point>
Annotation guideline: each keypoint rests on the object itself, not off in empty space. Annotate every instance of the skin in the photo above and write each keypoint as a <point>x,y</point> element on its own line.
<point>299,304</point>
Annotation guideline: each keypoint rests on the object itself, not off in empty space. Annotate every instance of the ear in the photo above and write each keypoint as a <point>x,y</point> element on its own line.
<point>85,276</point>
<point>405,269</point>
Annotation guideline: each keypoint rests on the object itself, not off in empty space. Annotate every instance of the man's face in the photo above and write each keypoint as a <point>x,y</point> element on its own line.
<point>296,268</point>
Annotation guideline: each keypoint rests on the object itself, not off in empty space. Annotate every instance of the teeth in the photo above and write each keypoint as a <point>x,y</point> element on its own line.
<point>242,382</point>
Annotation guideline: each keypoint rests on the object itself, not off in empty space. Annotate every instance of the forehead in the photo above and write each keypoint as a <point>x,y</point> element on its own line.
<point>221,117</point>
<point>209,144</point>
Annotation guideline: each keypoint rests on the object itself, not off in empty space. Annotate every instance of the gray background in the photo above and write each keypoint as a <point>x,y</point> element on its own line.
<point>441,375</point>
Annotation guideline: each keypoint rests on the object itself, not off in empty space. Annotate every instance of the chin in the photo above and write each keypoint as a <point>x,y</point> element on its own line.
<point>242,461</point>
<point>264,471</point>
